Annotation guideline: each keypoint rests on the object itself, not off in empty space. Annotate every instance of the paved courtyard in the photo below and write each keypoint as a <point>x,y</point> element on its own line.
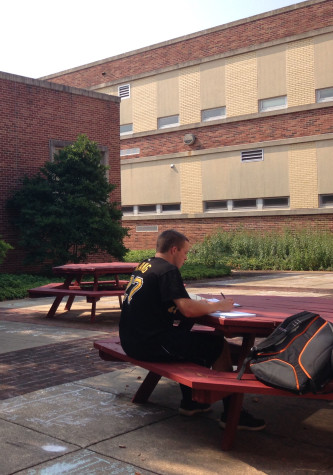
<point>65,411</point>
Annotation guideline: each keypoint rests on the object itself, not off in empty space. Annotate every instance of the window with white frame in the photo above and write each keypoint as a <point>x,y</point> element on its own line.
<point>247,203</point>
<point>326,201</point>
<point>272,103</point>
<point>213,114</point>
<point>170,208</point>
<point>124,91</point>
<point>256,155</point>
<point>147,209</point>
<point>127,210</point>
<point>324,95</point>
<point>218,205</point>
<point>165,122</point>
<point>126,129</point>
<point>276,202</point>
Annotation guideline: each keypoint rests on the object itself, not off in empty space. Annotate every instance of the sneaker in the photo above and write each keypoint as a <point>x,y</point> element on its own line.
<point>246,421</point>
<point>193,407</point>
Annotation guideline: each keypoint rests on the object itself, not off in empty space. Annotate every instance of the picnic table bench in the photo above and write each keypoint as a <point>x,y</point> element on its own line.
<point>208,386</point>
<point>59,291</point>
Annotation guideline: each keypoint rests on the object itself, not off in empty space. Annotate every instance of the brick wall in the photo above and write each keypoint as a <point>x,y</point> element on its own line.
<point>35,112</point>
<point>293,20</point>
<point>197,229</point>
<point>275,127</point>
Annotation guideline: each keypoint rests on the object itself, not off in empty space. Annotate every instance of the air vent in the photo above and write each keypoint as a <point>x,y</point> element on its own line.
<point>252,155</point>
<point>124,91</point>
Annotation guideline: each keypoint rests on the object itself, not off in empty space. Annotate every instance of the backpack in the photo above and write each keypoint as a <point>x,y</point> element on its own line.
<point>297,356</point>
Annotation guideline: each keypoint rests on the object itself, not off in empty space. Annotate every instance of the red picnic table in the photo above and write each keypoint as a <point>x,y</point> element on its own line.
<point>74,285</point>
<point>270,312</point>
<point>208,385</point>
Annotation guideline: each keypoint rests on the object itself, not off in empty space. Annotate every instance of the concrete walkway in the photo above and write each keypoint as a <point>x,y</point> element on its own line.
<point>65,411</point>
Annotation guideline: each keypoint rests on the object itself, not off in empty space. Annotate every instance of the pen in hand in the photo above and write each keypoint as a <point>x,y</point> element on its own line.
<point>222,295</point>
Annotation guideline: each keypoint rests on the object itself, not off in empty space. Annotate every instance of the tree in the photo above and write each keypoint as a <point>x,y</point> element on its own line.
<point>64,213</point>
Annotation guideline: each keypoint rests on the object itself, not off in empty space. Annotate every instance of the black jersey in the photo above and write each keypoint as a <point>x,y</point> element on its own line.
<point>148,309</point>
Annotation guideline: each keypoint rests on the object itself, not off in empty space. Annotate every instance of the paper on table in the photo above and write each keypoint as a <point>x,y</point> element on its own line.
<point>216,300</point>
<point>233,314</point>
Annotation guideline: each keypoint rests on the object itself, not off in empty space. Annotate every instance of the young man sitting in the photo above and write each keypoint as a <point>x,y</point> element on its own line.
<point>154,299</point>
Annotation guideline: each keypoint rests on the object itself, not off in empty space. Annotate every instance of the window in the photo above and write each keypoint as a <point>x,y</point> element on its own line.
<point>281,202</point>
<point>273,103</point>
<point>171,208</point>
<point>56,145</point>
<point>326,201</point>
<point>215,205</point>
<point>249,203</point>
<point>129,151</point>
<point>213,114</point>
<point>324,95</point>
<point>124,91</point>
<point>126,129</point>
<point>127,210</point>
<point>252,155</point>
<point>147,209</point>
<point>165,122</point>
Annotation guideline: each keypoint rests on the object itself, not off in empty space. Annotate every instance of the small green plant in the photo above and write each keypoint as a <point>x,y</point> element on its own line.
<point>14,286</point>
<point>139,255</point>
<point>4,248</point>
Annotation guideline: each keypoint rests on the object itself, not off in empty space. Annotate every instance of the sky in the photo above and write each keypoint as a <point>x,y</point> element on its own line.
<point>43,37</point>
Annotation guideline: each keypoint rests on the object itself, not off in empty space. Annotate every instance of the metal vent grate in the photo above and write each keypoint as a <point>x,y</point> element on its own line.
<point>146,229</point>
<point>252,155</point>
<point>124,91</point>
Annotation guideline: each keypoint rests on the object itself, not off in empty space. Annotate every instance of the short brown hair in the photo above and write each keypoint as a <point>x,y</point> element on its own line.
<point>168,239</point>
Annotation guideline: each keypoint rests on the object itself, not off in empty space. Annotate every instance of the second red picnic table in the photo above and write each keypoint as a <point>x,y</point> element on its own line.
<point>74,284</point>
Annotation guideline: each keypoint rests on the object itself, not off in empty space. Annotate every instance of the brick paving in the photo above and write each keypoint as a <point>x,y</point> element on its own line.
<point>32,369</point>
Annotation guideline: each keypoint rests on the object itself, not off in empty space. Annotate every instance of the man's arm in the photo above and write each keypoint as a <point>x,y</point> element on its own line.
<point>196,308</point>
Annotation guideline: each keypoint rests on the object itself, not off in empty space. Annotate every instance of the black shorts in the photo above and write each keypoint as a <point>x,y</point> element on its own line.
<point>202,348</point>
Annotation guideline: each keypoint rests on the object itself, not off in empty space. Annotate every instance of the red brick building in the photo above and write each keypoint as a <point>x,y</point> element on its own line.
<point>227,127</point>
<point>37,117</point>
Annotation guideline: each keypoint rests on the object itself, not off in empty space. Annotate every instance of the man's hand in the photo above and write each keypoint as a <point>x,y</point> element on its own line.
<point>196,308</point>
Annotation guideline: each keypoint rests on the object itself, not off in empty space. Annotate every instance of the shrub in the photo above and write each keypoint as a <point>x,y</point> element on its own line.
<point>4,248</point>
<point>14,286</point>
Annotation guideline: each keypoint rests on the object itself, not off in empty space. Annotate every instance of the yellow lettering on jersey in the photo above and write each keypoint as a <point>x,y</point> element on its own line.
<point>143,267</point>
<point>134,285</point>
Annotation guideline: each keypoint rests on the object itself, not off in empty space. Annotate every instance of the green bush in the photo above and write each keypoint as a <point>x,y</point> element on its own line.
<point>193,269</point>
<point>246,250</point>
<point>139,255</point>
<point>4,248</point>
<point>14,286</point>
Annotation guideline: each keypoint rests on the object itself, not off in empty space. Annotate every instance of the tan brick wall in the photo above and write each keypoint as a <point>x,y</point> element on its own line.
<point>189,96</point>
<point>241,85</point>
<point>191,186</point>
<point>303,179</point>
<point>300,73</point>
<point>144,105</point>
